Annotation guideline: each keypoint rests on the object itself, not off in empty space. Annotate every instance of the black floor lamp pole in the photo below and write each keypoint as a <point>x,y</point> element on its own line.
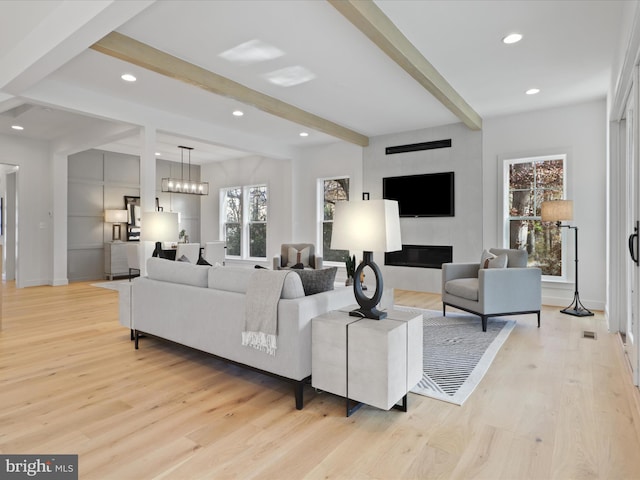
<point>576,308</point>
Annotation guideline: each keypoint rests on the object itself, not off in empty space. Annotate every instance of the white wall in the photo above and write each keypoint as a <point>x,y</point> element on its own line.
<point>338,159</point>
<point>35,216</point>
<point>579,131</point>
<point>276,174</point>
<point>464,231</point>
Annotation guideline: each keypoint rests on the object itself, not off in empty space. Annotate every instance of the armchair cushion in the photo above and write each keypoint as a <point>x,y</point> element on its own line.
<point>293,254</point>
<point>491,260</point>
<point>463,287</point>
<point>516,258</point>
<point>296,256</point>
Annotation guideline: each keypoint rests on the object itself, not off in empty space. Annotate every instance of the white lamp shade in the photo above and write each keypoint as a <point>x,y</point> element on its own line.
<point>556,210</point>
<point>159,227</point>
<point>366,225</point>
<point>115,216</point>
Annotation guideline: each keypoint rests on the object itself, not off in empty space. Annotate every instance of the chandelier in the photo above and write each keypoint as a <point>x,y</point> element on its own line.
<point>180,185</point>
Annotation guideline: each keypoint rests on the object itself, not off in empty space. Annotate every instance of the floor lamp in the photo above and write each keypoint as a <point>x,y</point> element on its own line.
<point>159,227</point>
<point>369,226</point>
<point>557,211</point>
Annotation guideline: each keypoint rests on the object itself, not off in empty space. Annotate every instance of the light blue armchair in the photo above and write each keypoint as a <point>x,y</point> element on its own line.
<point>493,292</point>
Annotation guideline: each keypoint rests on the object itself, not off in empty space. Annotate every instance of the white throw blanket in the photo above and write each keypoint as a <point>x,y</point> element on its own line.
<point>261,310</point>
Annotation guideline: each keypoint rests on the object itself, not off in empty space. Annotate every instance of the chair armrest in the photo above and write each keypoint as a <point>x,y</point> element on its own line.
<point>451,271</point>
<point>510,289</point>
<point>318,263</point>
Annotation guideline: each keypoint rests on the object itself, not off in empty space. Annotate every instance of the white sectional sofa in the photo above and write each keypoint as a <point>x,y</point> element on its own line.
<point>203,307</point>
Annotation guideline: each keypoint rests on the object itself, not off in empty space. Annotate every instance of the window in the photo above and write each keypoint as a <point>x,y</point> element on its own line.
<point>529,182</point>
<point>330,192</point>
<point>257,221</point>
<point>244,221</point>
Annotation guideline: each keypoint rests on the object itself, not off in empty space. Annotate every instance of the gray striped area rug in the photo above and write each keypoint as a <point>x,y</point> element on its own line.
<point>457,353</point>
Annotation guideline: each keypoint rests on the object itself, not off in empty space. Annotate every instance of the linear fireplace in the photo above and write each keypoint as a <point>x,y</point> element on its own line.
<point>422,256</point>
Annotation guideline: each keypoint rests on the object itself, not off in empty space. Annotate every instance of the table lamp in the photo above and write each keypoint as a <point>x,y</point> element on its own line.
<point>117,217</point>
<point>159,227</point>
<point>370,226</point>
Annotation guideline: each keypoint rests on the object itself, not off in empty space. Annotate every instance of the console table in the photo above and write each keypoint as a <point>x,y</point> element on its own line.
<point>373,362</point>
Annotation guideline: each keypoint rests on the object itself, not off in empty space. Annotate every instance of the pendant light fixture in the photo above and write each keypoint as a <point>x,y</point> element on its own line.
<point>180,185</point>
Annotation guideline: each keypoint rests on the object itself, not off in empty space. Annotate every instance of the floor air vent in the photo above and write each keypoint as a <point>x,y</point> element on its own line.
<point>588,334</point>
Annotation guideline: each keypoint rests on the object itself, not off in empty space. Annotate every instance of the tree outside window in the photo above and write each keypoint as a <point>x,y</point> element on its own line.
<point>258,221</point>
<point>333,191</point>
<point>233,220</point>
<point>531,181</point>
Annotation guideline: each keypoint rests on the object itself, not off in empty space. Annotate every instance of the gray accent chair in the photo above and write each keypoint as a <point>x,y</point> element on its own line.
<point>281,261</point>
<point>493,292</point>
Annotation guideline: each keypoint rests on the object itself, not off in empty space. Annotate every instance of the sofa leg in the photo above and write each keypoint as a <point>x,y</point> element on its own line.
<point>484,323</point>
<point>444,310</point>
<point>136,336</point>
<point>538,318</point>
<point>299,390</point>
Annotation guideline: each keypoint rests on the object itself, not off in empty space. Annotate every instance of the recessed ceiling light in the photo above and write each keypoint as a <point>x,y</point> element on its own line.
<point>304,134</point>
<point>127,77</point>
<point>512,38</point>
<point>157,154</point>
<point>17,127</point>
<point>238,113</point>
<point>252,51</point>
<point>290,76</point>
<point>532,91</point>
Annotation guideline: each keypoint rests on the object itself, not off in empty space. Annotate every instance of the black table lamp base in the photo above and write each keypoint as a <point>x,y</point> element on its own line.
<point>368,305</point>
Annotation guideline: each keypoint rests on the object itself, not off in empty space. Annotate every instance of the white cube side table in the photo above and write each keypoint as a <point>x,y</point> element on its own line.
<point>375,362</point>
<point>329,353</point>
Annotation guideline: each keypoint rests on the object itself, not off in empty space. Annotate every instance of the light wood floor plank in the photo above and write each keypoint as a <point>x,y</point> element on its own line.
<point>553,405</point>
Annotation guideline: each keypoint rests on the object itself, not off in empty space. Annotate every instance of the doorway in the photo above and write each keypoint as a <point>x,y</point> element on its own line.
<point>9,221</point>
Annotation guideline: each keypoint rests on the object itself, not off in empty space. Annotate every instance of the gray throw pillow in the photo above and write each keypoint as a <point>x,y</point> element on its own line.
<point>317,281</point>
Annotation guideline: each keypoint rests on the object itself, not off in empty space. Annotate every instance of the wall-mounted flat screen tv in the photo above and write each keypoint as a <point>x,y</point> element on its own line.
<point>426,195</point>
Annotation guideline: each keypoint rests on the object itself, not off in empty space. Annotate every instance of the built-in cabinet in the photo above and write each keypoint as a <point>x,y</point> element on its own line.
<point>99,180</point>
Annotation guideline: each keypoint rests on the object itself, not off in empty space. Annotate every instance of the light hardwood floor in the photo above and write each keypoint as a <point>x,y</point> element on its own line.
<point>553,405</point>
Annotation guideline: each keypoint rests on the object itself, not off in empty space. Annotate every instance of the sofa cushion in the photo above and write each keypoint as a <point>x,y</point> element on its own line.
<point>177,272</point>
<point>230,279</point>
<point>463,288</point>
<point>317,281</point>
<point>236,279</point>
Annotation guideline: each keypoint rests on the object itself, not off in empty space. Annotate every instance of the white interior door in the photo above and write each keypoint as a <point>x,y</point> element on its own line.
<point>633,208</point>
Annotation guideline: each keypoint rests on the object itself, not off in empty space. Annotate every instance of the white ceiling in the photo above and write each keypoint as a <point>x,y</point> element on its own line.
<point>567,51</point>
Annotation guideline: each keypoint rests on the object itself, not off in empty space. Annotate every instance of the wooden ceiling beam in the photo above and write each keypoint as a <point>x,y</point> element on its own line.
<point>372,21</point>
<point>126,48</point>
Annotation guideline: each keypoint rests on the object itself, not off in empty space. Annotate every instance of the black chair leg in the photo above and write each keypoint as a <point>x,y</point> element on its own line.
<point>484,323</point>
